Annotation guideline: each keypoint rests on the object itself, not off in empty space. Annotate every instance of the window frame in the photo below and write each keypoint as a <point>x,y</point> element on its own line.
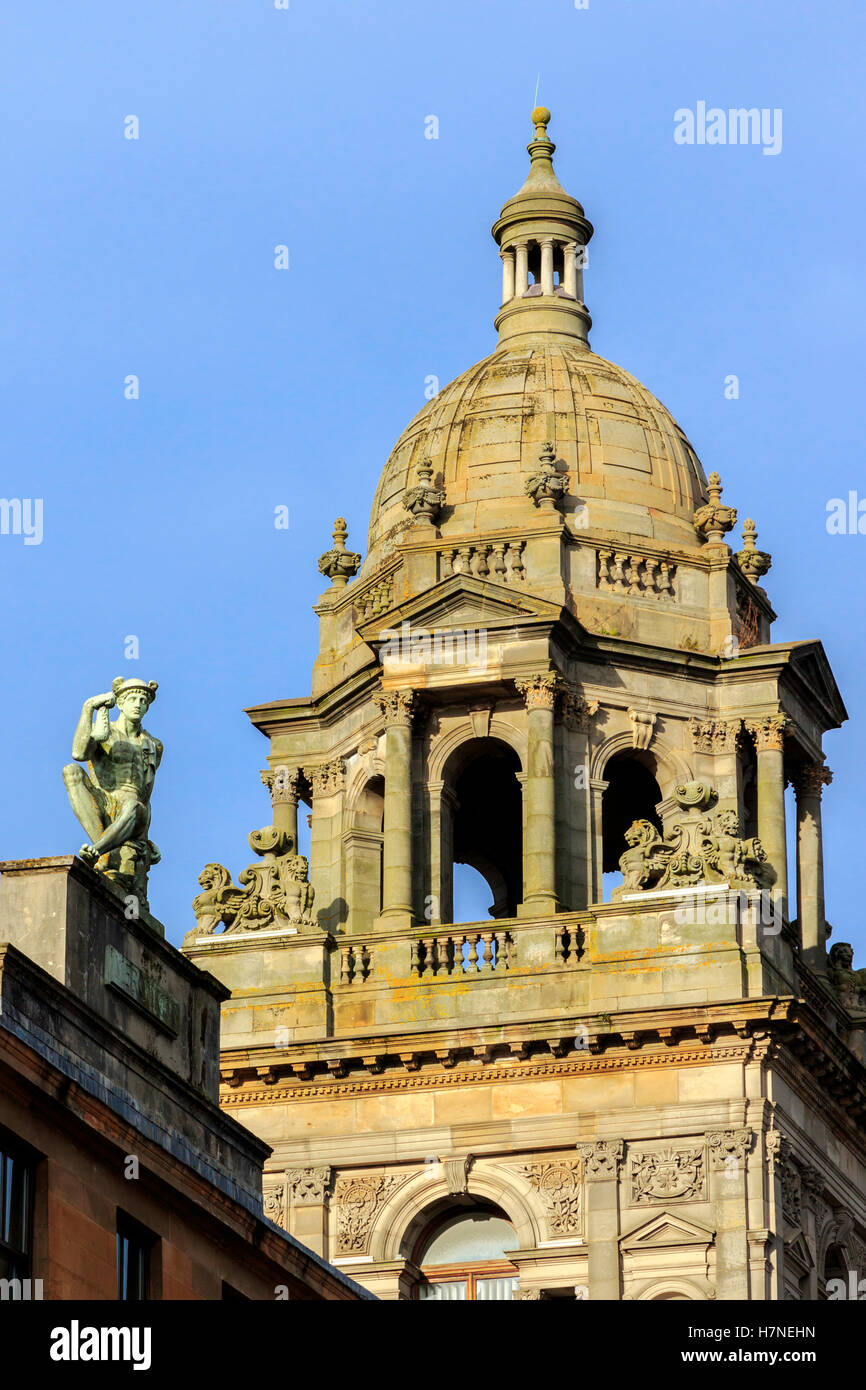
<point>24,1160</point>
<point>145,1242</point>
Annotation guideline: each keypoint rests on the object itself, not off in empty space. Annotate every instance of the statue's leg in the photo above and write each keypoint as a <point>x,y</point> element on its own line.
<point>125,827</point>
<point>82,799</point>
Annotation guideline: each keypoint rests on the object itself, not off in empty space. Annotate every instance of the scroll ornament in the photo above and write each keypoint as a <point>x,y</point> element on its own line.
<point>696,848</point>
<point>275,892</point>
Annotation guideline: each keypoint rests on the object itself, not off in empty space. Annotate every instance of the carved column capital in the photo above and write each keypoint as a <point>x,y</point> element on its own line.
<point>810,779</point>
<point>283,783</point>
<point>576,711</point>
<point>309,1186</point>
<point>540,691</point>
<point>715,735</point>
<point>397,706</point>
<point>328,778</point>
<point>601,1157</point>
<point>768,731</point>
<point>726,1144</point>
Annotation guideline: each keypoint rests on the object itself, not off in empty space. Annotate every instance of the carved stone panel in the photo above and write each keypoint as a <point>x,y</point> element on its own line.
<point>359,1200</point>
<point>668,1175</point>
<point>559,1184</point>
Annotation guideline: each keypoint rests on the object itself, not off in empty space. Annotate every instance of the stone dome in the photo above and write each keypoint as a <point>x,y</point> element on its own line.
<point>631,470</point>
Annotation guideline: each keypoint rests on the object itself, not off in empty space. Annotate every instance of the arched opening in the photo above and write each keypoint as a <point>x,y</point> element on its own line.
<point>487,826</point>
<point>632,793</point>
<point>362,846</point>
<point>462,1256</point>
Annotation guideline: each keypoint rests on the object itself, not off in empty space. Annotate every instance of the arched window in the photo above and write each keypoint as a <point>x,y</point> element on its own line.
<point>632,793</point>
<point>462,1256</point>
<point>488,822</point>
<point>362,849</point>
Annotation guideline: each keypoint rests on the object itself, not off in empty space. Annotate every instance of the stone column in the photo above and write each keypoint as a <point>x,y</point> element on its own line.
<point>547,265</point>
<point>809,781</point>
<point>569,268</point>
<point>507,274</point>
<point>577,714</point>
<point>328,781</point>
<point>397,707</point>
<point>521,274</point>
<point>728,1155</point>
<point>284,784</point>
<point>443,804</point>
<point>539,845</point>
<point>769,736</point>
<point>602,1158</point>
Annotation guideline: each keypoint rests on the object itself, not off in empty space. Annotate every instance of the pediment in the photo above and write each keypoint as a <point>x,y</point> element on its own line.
<point>666,1229</point>
<point>809,661</point>
<point>464,602</point>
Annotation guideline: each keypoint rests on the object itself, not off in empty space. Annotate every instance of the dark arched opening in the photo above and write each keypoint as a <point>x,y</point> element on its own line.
<point>462,1255</point>
<point>632,793</point>
<point>488,822</point>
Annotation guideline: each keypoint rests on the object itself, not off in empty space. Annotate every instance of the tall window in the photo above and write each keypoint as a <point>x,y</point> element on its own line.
<point>463,1258</point>
<point>135,1245</point>
<point>16,1208</point>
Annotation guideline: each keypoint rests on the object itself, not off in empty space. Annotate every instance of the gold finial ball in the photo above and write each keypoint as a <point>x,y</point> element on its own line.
<point>540,115</point>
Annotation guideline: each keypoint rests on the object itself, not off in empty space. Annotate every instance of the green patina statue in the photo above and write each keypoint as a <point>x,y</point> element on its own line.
<point>113,802</point>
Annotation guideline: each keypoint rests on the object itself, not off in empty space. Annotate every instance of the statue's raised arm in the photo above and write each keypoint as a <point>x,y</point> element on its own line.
<point>113,801</point>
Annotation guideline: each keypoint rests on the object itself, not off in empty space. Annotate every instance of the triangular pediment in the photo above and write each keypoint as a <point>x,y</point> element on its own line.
<point>464,602</point>
<point>667,1229</point>
<point>809,661</point>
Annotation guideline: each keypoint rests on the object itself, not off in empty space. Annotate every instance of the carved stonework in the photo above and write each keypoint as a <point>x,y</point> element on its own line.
<point>527,1296</point>
<point>275,892</point>
<point>715,735</point>
<point>601,1157</point>
<point>283,783</point>
<point>358,1202</point>
<point>540,691</point>
<point>668,1175</point>
<point>849,984</point>
<point>560,1187</point>
<point>639,576</point>
<point>424,501</point>
<point>768,731</point>
<point>642,728</point>
<point>457,1172</point>
<point>696,848</point>
<point>328,778</point>
<point>577,712</point>
<point>308,1186</point>
<point>810,779</point>
<point>397,706</point>
<point>275,1202</point>
<point>546,487</point>
<point>724,1145</point>
<point>713,519</point>
<point>339,564</point>
<point>753,562</point>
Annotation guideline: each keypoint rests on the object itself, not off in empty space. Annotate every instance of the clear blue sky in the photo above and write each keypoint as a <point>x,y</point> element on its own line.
<point>305,127</point>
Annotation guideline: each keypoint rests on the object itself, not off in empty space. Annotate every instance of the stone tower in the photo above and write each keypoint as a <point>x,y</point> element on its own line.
<point>549,666</point>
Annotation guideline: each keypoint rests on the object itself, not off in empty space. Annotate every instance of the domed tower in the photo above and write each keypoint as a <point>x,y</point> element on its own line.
<point>549,665</point>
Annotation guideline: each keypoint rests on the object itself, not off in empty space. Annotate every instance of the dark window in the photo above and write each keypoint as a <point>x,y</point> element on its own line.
<point>16,1209</point>
<point>135,1245</point>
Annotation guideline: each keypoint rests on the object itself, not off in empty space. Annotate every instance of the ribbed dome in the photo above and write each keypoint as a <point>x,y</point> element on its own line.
<point>627,460</point>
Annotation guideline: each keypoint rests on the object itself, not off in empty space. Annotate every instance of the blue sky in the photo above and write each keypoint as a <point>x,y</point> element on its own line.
<point>261,388</point>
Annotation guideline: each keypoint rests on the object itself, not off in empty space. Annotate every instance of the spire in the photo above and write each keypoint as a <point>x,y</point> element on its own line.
<point>542,234</point>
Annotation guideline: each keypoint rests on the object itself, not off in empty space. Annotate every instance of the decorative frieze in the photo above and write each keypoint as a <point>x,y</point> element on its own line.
<point>397,706</point>
<point>359,1200</point>
<point>601,1157</point>
<point>559,1184</point>
<point>667,1175</point>
<point>638,576</point>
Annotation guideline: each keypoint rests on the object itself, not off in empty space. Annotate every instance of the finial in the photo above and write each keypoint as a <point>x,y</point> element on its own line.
<point>424,501</point>
<point>540,119</point>
<point>547,487</point>
<point>753,562</point>
<point>713,519</point>
<point>339,564</point>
